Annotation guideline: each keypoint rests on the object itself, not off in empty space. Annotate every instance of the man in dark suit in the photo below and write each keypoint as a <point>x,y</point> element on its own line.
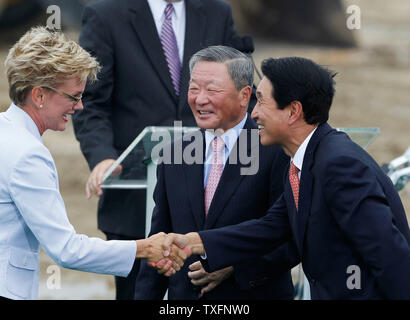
<point>347,219</point>
<point>136,89</point>
<point>218,96</point>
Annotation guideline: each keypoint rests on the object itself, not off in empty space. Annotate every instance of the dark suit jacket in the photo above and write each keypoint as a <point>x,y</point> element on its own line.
<point>135,89</point>
<point>349,215</point>
<point>179,207</point>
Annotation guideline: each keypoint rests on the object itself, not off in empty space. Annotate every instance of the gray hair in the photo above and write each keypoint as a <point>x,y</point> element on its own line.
<point>240,67</point>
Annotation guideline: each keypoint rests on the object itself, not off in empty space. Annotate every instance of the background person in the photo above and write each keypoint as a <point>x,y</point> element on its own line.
<point>143,47</point>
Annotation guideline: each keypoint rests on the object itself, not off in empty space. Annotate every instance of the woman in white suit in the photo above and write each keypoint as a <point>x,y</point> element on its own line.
<point>47,74</point>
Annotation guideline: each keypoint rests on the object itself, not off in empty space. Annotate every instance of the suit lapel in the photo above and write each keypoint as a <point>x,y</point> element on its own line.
<point>306,181</point>
<point>194,32</point>
<point>143,23</point>
<point>230,180</point>
<point>194,179</point>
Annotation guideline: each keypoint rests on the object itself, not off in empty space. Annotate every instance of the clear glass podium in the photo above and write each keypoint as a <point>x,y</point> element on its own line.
<point>138,163</point>
<point>138,171</point>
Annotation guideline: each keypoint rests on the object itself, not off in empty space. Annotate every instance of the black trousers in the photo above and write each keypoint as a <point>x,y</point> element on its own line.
<point>125,287</point>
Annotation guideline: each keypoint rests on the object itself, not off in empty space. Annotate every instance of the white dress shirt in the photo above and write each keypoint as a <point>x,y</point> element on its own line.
<point>229,137</point>
<point>32,213</point>
<point>178,21</point>
<point>300,153</point>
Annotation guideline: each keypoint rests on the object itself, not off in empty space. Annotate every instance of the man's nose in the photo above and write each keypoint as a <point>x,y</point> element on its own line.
<point>202,98</point>
<point>254,113</point>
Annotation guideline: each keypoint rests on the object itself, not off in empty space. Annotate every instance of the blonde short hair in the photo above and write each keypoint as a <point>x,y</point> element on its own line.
<point>46,58</point>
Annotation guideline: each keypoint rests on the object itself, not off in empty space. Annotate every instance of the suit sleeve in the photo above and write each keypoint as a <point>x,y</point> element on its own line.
<point>231,245</point>
<point>360,207</point>
<point>92,125</point>
<point>149,284</point>
<point>281,260</point>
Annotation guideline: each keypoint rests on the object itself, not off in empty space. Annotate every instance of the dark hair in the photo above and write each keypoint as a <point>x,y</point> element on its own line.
<point>301,79</point>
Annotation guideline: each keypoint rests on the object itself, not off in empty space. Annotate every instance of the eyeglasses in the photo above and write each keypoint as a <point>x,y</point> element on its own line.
<point>74,99</point>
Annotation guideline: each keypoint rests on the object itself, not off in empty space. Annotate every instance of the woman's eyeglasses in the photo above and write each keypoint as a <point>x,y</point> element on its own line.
<point>73,98</point>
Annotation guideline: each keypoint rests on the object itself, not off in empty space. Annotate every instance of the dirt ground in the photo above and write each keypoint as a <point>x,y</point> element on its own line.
<point>372,91</point>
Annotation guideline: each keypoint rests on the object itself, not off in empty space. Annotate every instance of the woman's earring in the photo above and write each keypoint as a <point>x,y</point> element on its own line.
<point>41,106</point>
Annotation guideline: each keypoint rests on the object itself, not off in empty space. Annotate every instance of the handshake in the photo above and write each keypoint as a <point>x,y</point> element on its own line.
<point>168,252</point>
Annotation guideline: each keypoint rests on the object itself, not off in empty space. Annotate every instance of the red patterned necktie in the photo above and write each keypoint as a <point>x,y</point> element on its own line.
<point>170,47</point>
<point>294,182</point>
<point>216,171</point>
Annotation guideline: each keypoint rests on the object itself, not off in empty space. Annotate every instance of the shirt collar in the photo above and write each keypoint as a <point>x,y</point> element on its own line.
<point>158,7</point>
<point>300,153</point>
<point>21,118</point>
<point>229,137</point>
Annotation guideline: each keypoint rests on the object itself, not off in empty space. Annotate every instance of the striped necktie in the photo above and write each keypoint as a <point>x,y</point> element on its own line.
<point>170,47</point>
<point>216,172</point>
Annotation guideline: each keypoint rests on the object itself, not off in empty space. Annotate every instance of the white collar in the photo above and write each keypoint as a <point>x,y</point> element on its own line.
<point>21,118</point>
<point>158,7</point>
<point>229,137</point>
<point>300,153</point>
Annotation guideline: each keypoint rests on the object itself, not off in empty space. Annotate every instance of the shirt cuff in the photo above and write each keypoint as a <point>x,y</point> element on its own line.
<point>204,256</point>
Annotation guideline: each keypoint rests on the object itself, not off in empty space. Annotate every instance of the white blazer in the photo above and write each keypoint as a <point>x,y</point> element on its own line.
<point>32,213</point>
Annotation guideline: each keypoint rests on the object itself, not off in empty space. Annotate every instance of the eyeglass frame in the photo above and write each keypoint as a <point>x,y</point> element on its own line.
<point>74,99</point>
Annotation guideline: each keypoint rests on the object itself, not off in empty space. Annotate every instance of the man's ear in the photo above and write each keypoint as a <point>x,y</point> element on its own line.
<point>295,111</point>
<point>245,96</point>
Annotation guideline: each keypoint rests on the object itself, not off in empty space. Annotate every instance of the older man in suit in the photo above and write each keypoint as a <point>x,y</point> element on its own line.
<point>144,47</point>
<point>347,219</point>
<point>217,191</point>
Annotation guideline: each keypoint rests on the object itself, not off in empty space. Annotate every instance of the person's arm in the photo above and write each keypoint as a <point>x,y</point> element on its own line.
<point>230,245</point>
<point>234,244</point>
<point>33,186</point>
<point>261,269</point>
<point>359,205</point>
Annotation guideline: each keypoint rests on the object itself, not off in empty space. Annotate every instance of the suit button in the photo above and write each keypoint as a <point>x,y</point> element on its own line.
<point>252,284</point>
<point>312,282</point>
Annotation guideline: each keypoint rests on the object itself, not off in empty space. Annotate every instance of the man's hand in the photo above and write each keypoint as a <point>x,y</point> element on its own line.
<point>191,242</point>
<point>95,179</point>
<point>152,250</point>
<point>178,245</point>
<point>210,281</point>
